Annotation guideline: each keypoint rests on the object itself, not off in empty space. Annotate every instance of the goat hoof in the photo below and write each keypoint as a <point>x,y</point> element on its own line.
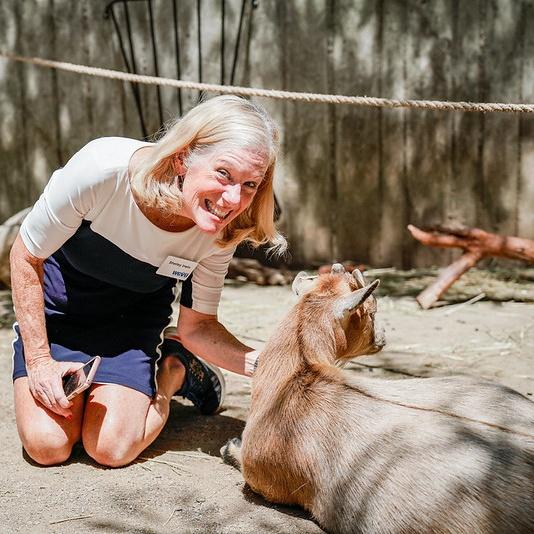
<point>231,452</point>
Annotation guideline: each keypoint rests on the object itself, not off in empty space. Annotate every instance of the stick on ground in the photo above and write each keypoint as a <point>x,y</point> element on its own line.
<point>476,244</point>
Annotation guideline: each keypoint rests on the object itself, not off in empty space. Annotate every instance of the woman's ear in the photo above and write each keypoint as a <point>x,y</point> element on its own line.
<point>178,163</point>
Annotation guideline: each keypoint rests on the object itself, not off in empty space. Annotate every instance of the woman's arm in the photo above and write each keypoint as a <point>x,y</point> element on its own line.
<point>44,373</point>
<point>205,336</point>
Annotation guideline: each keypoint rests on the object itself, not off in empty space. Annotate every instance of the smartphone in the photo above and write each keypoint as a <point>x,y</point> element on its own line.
<point>81,379</point>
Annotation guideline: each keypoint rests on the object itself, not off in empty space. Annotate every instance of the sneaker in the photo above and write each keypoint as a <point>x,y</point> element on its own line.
<point>204,383</point>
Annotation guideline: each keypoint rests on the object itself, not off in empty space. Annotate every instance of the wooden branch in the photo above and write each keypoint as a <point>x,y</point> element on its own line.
<point>446,278</point>
<point>476,244</point>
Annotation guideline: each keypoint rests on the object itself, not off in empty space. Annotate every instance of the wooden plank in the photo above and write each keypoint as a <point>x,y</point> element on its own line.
<point>500,82</point>
<point>188,30</point>
<point>461,203</point>
<point>238,45</point>
<point>167,57</point>
<point>525,222</point>
<point>268,34</point>
<point>141,41</point>
<point>236,40</point>
<point>386,247</point>
<point>428,133</point>
<point>76,121</point>
<point>112,107</point>
<point>39,87</point>
<point>356,70</point>
<point>14,185</point>
<point>211,41</point>
<point>277,60</point>
<point>307,132</point>
<point>116,24</point>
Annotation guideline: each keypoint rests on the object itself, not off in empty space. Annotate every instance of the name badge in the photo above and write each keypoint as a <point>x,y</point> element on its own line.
<point>178,268</point>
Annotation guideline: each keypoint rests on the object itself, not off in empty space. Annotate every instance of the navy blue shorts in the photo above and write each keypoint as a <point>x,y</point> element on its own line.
<point>86,317</point>
<point>132,368</point>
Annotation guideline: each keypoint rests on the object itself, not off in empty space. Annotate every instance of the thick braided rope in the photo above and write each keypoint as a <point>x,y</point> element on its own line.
<point>362,101</point>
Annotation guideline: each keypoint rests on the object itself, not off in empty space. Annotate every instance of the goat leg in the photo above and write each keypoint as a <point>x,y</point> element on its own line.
<point>231,453</point>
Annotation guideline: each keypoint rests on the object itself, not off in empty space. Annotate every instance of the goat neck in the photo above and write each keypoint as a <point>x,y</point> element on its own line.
<point>305,338</point>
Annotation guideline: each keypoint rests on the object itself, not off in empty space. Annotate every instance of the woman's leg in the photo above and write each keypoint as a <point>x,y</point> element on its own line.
<point>47,437</point>
<point>120,422</point>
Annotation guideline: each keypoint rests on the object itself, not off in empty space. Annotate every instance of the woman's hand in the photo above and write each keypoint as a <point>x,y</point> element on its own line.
<point>44,373</point>
<point>45,382</point>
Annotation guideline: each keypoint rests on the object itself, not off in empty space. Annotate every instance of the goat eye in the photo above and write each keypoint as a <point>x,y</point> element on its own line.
<point>224,173</point>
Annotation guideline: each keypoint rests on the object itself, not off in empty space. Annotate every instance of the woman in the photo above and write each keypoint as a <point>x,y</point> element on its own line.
<point>94,270</point>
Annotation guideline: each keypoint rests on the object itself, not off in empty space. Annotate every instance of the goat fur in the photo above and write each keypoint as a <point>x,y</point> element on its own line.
<point>435,455</point>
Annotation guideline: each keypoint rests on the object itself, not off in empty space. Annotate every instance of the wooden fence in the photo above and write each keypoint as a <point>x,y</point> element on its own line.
<point>350,178</point>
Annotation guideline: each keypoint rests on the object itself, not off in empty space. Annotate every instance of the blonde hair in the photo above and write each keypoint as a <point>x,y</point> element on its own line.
<point>224,121</point>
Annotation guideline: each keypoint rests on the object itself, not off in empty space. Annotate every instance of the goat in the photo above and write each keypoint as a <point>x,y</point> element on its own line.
<point>431,455</point>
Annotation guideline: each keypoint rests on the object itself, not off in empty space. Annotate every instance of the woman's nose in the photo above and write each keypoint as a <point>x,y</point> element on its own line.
<point>232,194</point>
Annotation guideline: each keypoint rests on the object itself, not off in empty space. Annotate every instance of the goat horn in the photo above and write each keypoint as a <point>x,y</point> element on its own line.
<point>358,276</point>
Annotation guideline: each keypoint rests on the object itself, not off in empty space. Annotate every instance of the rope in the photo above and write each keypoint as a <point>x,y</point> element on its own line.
<point>361,101</point>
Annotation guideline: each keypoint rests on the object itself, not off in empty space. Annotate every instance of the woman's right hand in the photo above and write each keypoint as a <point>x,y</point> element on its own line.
<point>45,381</point>
<point>44,373</point>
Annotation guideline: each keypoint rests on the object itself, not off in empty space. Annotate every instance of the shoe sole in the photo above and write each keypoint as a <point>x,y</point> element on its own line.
<point>214,369</point>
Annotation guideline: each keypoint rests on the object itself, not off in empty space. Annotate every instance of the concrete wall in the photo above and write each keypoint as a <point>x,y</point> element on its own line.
<point>351,178</point>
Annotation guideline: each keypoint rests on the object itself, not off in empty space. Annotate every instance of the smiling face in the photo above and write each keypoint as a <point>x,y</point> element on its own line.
<point>219,185</point>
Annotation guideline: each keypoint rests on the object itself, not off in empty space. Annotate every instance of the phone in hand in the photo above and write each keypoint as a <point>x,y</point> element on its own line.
<point>81,379</point>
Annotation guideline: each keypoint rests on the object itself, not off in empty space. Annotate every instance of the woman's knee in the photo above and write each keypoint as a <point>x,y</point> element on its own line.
<point>46,448</point>
<point>111,449</point>
<point>111,452</point>
<point>46,437</point>
<point>112,434</point>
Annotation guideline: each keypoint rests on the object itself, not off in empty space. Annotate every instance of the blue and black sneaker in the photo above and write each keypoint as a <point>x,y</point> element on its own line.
<point>204,383</point>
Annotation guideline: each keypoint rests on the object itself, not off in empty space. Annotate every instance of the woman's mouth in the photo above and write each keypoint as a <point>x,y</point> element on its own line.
<point>214,210</point>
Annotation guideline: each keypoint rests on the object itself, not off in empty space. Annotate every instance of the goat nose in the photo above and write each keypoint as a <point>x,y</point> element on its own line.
<point>380,337</point>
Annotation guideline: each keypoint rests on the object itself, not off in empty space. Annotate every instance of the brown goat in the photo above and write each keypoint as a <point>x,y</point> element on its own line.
<point>435,455</point>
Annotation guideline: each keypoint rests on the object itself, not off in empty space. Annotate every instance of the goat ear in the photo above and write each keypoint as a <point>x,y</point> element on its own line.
<point>358,276</point>
<point>346,306</point>
<point>303,281</point>
<point>337,268</point>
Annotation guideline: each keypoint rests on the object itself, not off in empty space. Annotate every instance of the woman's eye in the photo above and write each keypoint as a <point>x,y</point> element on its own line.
<point>251,185</point>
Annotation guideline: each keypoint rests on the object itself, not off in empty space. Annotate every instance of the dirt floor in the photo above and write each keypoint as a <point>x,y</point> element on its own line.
<point>180,483</point>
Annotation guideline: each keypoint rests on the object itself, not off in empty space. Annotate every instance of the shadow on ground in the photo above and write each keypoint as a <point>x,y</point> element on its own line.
<point>187,430</point>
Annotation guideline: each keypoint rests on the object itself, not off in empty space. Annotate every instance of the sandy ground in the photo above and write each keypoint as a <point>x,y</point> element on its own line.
<point>180,483</point>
